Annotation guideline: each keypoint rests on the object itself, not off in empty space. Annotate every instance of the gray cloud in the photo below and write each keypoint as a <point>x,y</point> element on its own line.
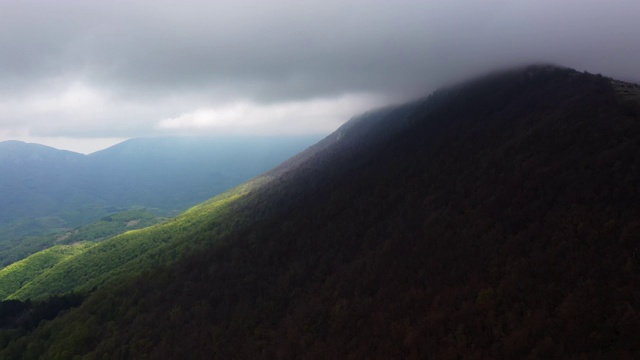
<point>146,61</point>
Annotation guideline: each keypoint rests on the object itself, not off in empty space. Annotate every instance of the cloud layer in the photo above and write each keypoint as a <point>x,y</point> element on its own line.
<point>119,69</point>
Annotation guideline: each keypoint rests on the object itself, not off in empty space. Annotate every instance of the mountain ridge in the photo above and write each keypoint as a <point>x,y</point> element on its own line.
<point>14,150</point>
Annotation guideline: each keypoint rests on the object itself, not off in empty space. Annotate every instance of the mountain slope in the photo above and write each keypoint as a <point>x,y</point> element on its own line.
<point>133,252</point>
<point>109,226</point>
<point>18,274</point>
<point>177,173</point>
<point>36,179</point>
<point>495,219</point>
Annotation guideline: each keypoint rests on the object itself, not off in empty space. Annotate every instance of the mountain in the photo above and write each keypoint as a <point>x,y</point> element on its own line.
<point>36,179</point>
<point>176,173</point>
<point>170,174</point>
<point>493,219</point>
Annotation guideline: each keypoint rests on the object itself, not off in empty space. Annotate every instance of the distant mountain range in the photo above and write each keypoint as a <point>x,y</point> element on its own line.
<point>170,173</point>
<point>496,219</point>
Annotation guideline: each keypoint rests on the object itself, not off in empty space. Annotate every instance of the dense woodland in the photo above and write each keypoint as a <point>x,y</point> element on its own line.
<point>29,260</point>
<point>494,219</point>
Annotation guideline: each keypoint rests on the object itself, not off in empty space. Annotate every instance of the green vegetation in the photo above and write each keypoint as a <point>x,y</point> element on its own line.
<point>109,226</point>
<point>131,253</point>
<point>18,318</point>
<point>16,275</point>
<point>496,219</point>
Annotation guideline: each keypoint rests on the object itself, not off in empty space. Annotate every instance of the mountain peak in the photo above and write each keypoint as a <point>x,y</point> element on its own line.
<point>18,152</point>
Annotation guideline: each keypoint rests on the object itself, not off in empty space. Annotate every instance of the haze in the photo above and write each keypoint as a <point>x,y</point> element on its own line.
<point>83,75</point>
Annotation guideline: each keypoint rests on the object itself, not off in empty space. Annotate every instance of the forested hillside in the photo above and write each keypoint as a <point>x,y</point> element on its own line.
<point>123,256</point>
<point>494,219</point>
<point>20,273</point>
<point>28,259</point>
<point>111,225</point>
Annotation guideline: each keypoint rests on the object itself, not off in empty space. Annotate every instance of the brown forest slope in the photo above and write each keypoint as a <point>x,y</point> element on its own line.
<point>495,219</point>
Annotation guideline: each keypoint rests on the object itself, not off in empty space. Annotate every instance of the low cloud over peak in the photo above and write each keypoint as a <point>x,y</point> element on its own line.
<point>122,69</point>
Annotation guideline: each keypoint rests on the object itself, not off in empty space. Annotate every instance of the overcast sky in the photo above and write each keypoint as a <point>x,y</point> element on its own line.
<point>84,74</point>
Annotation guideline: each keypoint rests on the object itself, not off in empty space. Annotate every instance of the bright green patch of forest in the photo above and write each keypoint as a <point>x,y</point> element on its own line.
<point>135,251</point>
<point>115,223</point>
<point>17,275</point>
